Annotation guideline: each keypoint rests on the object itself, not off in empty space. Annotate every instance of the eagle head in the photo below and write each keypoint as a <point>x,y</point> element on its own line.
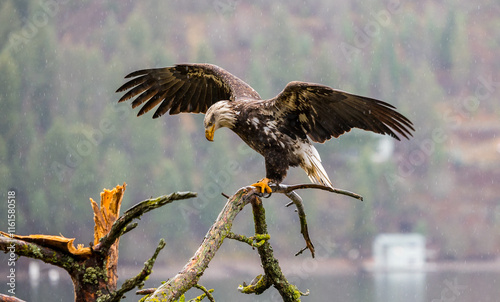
<point>220,114</point>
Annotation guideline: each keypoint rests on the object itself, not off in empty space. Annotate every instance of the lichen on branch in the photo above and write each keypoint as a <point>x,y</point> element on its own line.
<point>188,277</point>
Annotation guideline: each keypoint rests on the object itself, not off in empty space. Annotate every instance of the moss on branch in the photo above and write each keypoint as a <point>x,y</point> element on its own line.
<point>93,269</point>
<point>123,224</point>
<point>137,281</point>
<point>273,274</point>
<point>188,277</point>
<point>254,241</point>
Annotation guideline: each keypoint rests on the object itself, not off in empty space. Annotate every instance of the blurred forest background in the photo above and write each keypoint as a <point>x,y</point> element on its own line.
<point>64,138</point>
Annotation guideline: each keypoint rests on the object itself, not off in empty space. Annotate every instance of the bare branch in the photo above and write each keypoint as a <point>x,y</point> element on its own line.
<point>35,251</point>
<point>137,281</point>
<point>281,188</point>
<point>120,225</point>
<point>297,200</point>
<point>129,228</point>
<point>207,293</point>
<point>146,291</point>
<point>257,286</point>
<point>253,241</point>
<point>5,298</point>
<point>272,270</point>
<point>192,271</point>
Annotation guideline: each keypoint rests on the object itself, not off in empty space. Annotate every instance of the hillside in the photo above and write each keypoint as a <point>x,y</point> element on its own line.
<point>64,137</point>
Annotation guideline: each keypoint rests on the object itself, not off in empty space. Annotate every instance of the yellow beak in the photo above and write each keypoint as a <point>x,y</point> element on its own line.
<point>209,133</point>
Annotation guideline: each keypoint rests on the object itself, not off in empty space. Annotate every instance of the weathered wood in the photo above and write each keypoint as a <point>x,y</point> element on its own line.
<point>93,269</point>
<point>131,283</point>
<point>104,217</point>
<point>123,223</point>
<point>297,200</point>
<point>281,188</point>
<point>193,270</point>
<point>273,274</point>
<point>5,298</point>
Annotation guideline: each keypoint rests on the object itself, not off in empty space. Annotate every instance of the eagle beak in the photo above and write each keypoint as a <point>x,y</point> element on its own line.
<point>209,133</point>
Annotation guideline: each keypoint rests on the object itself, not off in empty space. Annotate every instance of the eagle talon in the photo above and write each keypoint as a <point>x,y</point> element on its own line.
<point>264,195</point>
<point>264,187</point>
<point>267,196</point>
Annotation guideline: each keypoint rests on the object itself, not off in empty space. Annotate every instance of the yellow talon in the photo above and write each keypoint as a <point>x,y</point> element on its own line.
<point>263,185</point>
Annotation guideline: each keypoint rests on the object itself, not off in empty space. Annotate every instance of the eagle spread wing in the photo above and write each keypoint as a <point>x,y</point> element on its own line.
<point>322,112</point>
<point>183,88</point>
<point>277,128</point>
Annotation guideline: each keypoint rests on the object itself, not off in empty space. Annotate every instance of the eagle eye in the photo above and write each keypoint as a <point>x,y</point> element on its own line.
<point>210,123</point>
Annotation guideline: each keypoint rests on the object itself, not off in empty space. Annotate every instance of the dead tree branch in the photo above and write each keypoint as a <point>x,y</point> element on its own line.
<point>5,298</point>
<point>253,241</point>
<point>174,288</point>
<point>207,293</point>
<point>122,224</point>
<point>297,200</point>
<point>193,270</point>
<point>273,274</point>
<point>137,281</point>
<point>281,188</point>
<point>93,269</point>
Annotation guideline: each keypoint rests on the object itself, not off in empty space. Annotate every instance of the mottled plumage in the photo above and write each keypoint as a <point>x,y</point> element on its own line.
<point>280,129</point>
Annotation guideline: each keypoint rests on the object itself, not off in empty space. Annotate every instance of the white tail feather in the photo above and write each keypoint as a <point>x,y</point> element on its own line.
<point>313,167</point>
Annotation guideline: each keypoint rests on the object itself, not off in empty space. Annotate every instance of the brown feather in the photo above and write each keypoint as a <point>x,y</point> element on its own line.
<point>184,88</point>
<point>330,113</point>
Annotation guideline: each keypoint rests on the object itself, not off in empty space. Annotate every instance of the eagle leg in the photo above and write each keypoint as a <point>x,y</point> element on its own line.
<point>263,185</point>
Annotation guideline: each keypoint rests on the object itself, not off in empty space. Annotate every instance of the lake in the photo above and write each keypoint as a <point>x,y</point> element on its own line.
<point>450,286</point>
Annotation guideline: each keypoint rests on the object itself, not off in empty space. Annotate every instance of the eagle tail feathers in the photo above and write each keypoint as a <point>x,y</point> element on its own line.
<point>314,169</point>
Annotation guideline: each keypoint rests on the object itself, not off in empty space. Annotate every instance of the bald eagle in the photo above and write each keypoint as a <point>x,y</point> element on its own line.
<point>280,129</point>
